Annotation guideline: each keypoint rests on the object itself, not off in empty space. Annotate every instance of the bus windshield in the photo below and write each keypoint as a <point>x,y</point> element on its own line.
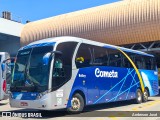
<point>31,73</point>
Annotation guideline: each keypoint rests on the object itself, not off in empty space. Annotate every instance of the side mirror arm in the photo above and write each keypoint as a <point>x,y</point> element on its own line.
<point>56,52</point>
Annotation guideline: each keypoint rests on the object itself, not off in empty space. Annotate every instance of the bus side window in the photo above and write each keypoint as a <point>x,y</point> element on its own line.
<point>126,63</point>
<point>153,63</point>
<point>83,57</point>
<point>115,58</point>
<point>138,62</point>
<point>148,63</point>
<point>99,56</point>
<point>90,55</point>
<point>143,62</point>
<point>62,68</point>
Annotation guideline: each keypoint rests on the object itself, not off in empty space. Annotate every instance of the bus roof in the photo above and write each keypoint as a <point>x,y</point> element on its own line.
<point>52,41</point>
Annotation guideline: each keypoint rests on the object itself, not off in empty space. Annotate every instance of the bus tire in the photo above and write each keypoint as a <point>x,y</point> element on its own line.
<point>77,104</point>
<point>145,96</point>
<point>138,98</point>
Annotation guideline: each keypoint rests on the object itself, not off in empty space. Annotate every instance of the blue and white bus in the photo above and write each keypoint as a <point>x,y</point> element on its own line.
<point>5,75</point>
<point>70,72</point>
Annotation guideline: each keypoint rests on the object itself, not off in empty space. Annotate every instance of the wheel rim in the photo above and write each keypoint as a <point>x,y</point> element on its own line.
<point>139,96</point>
<point>145,94</point>
<point>75,103</point>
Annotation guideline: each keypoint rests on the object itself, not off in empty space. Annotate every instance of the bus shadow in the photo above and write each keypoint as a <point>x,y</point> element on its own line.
<point>109,105</point>
<point>90,111</point>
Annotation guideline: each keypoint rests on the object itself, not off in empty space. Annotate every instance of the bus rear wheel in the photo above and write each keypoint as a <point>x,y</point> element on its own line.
<point>145,96</point>
<point>77,104</point>
<point>138,98</point>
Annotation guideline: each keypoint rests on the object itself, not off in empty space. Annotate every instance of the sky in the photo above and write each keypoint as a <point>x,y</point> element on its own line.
<point>33,10</point>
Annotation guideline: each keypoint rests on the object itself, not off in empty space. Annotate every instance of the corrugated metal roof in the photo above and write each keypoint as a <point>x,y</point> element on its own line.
<point>124,22</point>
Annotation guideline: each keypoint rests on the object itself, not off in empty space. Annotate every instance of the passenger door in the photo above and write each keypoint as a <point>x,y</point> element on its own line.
<point>62,68</point>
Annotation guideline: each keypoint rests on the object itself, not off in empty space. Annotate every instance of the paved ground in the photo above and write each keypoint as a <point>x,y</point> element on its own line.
<point>117,108</point>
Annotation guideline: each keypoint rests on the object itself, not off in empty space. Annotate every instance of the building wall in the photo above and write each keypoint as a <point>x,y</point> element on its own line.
<point>9,43</point>
<point>10,36</point>
<point>10,27</point>
<point>119,23</point>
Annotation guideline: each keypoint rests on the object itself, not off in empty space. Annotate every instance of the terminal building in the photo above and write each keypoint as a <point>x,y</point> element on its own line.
<point>130,23</point>
<point>133,24</point>
<point>10,31</point>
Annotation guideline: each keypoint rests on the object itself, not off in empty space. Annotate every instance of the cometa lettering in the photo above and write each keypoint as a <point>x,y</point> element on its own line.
<point>107,74</point>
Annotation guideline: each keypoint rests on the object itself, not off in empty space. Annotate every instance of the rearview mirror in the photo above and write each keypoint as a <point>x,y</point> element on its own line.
<point>56,52</point>
<point>48,55</point>
<point>46,58</point>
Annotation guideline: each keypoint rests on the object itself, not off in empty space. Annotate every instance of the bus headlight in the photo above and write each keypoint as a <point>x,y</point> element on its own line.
<point>40,95</point>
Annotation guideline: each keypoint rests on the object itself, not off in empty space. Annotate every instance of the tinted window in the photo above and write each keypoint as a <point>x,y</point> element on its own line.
<point>138,61</point>
<point>115,58</point>
<point>31,73</point>
<point>126,62</point>
<point>147,62</point>
<point>99,56</point>
<point>38,71</point>
<point>67,49</point>
<point>84,53</point>
<point>62,69</point>
<point>91,56</point>
<point>143,62</point>
<point>153,64</point>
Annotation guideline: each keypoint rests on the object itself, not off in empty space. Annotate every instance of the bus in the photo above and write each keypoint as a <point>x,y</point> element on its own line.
<point>5,76</point>
<point>70,72</point>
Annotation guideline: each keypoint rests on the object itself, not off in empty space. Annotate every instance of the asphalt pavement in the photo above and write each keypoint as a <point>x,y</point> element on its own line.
<point>124,110</point>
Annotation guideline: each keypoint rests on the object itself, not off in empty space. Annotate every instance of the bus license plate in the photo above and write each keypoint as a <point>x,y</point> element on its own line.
<point>24,104</point>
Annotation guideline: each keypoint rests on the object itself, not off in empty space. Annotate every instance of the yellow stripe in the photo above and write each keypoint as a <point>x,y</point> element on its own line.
<point>113,118</point>
<point>136,69</point>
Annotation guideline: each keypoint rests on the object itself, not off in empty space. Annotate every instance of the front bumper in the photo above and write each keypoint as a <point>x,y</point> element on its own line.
<point>46,102</point>
<point>31,104</point>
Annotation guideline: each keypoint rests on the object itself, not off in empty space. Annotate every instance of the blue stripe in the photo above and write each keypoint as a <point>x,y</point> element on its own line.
<point>113,87</point>
<point>122,84</point>
<point>131,85</point>
<point>110,47</point>
<point>39,45</point>
<point>124,91</point>
<point>136,52</point>
<point>134,77</point>
<point>25,95</point>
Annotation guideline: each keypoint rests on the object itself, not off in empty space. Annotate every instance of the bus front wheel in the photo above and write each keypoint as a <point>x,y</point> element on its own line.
<point>138,98</point>
<point>77,104</point>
